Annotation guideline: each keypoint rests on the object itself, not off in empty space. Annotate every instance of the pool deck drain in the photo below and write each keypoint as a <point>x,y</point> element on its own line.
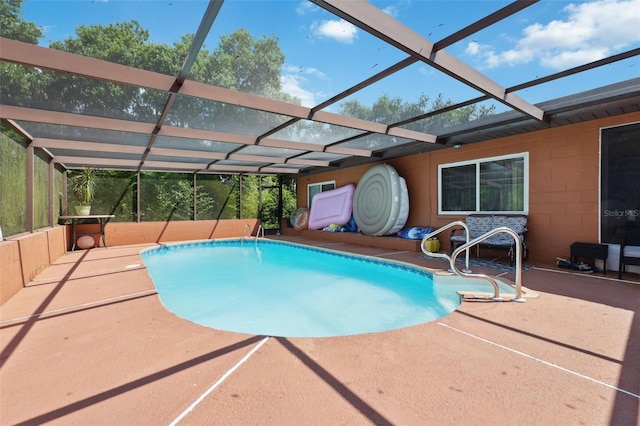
<point>89,342</point>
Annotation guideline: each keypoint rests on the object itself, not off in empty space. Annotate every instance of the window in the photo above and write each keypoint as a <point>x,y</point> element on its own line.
<point>315,188</point>
<point>489,185</point>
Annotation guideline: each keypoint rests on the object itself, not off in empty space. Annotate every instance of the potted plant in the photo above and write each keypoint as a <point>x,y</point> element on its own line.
<point>83,187</point>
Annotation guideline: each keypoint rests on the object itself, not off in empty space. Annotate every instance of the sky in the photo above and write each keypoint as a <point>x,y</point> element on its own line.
<point>326,55</point>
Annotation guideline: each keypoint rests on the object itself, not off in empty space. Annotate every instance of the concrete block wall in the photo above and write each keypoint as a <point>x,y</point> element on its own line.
<point>127,233</point>
<point>564,173</point>
<point>24,256</point>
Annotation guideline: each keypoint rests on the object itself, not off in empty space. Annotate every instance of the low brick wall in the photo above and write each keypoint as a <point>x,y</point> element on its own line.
<point>161,232</point>
<point>11,271</point>
<point>24,256</point>
<point>129,233</point>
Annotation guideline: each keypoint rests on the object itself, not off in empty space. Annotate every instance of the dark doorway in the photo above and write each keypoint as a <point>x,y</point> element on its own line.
<point>620,182</point>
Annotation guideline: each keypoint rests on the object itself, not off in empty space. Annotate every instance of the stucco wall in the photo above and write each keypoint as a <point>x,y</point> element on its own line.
<point>563,183</point>
<point>128,233</point>
<point>24,256</point>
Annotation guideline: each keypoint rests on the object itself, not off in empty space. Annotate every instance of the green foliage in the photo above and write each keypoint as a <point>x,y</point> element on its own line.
<point>289,196</point>
<point>83,185</point>
<point>250,197</point>
<point>13,180</point>
<point>393,110</point>
<point>40,189</point>
<point>260,197</point>
<point>58,173</point>
<point>124,43</point>
<point>239,62</point>
<point>13,26</point>
<point>216,197</point>
<point>115,194</point>
<point>166,196</point>
<point>270,200</point>
<point>118,42</point>
<point>248,65</point>
<point>169,196</point>
<point>17,80</point>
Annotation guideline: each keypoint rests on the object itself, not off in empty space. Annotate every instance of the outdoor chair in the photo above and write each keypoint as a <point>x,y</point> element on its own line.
<point>629,250</point>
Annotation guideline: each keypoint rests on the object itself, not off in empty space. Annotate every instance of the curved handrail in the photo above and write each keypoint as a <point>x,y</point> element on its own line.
<point>436,232</point>
<point>260,231</point>
<point>258,252</point>
<point>246,227</point>
<point>518,261</point>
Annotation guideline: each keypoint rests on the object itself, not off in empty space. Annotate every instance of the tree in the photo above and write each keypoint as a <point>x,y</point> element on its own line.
<point>116,195</point>
<point>19,84</point>
<point>13,26</point>
<point>124,43</point>
<point>240,62</point>
<point>250,197</point>
<point>246,64</point>
<point>393,110</point>
<point>216,197</point>
<point>270,198</point>
<point>166,196</point>
<point>249,65</point>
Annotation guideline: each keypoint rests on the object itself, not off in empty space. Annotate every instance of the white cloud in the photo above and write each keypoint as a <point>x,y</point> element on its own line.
<point>590,31</point>
<point>570,59</point>
<point>473,48</point>
<point>305,7</point>
<point>295,78</point>
<point>289,69</point>
<point>292,84</point>
<point>339,30</point>
<point>295,70</point>
<point>314,72</point>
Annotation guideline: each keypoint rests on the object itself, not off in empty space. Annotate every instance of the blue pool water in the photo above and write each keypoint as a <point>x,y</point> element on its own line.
<point>281,289</point>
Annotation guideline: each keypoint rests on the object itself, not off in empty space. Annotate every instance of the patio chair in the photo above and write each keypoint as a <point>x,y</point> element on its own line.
<point>629,250</point>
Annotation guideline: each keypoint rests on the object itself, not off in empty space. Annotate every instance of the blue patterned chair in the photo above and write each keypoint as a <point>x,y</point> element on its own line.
<point>480,224</point>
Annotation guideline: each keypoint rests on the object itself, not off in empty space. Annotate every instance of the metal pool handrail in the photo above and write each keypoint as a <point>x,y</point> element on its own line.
<point>466,246</point>
<point>260,231</point>
<point>436,232</point>
<point>518,262</point>
<point>246,227</point>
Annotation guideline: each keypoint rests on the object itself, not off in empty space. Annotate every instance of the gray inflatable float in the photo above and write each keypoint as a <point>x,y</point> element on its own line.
<point>381,201</point>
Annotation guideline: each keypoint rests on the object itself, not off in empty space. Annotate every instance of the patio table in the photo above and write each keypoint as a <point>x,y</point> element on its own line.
<point>99,218</point>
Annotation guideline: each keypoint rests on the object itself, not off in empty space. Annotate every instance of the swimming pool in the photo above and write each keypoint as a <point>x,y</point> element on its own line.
<point>282,289</point>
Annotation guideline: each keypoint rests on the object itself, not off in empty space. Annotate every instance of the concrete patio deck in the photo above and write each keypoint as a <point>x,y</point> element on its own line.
<point>89,342</point>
